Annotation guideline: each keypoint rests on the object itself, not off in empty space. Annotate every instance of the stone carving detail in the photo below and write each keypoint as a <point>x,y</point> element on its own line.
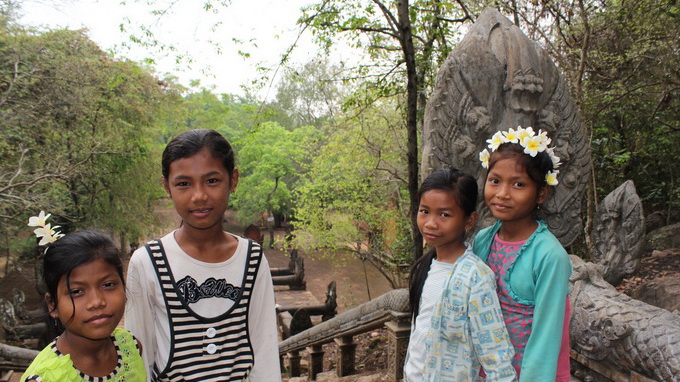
<point>619,233</point>
<point>497,78</point>
<point>623,333</point>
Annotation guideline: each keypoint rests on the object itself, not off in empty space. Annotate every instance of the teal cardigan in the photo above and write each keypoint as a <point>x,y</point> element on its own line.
<point>539,276</point>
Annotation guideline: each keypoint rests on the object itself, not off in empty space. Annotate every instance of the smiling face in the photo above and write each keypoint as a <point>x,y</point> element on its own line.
<point>511,195</point>
<point>443,223</point>
<point>92,303</point>
<point>199,187</point>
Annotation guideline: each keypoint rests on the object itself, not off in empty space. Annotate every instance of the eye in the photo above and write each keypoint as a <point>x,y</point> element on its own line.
<point>445,215</point>
<point>213,181</point>
<point>181,184</point>
<point>110,284</point>
<point>520,184</point>
<point>75,292</point>
<point>493,181</point>
<point>423,211</point>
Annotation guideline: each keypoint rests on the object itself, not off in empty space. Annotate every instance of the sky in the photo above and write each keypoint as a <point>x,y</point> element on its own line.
<point>267,28</point>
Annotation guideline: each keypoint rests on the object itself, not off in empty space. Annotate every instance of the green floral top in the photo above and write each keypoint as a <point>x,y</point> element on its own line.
<point>52,366</point>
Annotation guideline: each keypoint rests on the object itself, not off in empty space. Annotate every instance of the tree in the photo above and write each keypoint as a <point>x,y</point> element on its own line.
<point>355,196</point>
<point>270,162</point>
<point>405,42</point>
<point>76,132</point>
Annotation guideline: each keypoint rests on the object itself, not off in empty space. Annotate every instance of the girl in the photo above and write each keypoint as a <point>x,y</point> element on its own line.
<point>457,320</point>
<point>202,299</point>
<point>531,267</point>
<point>86,300</point>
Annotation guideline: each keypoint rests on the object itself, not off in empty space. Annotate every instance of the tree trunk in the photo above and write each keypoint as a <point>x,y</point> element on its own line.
<point>408,49</point>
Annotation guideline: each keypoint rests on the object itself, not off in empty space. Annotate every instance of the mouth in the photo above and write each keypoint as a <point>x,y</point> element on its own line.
<point>500,206</point>
<point>429,236</point>
<point>100,319</point>
<point>200,211</point>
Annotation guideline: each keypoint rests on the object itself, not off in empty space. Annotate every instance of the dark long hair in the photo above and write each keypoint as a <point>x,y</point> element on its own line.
<point>191,142</point>
<point>68,253</point>
<point>464,189</point>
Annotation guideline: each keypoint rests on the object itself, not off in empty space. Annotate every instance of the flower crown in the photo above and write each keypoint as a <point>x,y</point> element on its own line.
<point>46,233</point>
<point>533,144</point>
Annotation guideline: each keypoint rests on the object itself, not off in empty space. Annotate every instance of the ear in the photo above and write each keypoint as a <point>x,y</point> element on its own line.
<point>233,181</point>
<point>50,306</point>
<point>471,221</point>
<point>543,194</point>
<point>167,187</point>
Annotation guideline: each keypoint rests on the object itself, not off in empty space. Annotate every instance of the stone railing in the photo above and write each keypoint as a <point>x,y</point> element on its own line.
<point>390,310</point>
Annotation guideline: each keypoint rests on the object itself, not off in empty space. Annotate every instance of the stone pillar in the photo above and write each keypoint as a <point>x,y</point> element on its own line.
<point>315,361</point>
<point>294,363</point>
<point>398,333</point>
<point>345,356</point>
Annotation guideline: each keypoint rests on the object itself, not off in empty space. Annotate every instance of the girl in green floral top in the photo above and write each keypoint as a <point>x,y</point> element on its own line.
<point>86,300</point>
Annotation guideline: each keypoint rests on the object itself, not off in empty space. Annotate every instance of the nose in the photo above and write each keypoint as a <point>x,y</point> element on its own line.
<point>503,191</point>
<point>430,222</point>
<point>199,195</point>
<point>96,300</point>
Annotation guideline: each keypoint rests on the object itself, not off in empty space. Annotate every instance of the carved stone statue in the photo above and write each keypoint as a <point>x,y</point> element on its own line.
<point>496,79</point>
<point>621,333</point>
<point>619,233</point>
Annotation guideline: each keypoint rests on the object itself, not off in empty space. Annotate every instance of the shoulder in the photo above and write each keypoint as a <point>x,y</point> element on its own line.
<point>48,367</point>
<point>547,245</point>
<point>474,268</point>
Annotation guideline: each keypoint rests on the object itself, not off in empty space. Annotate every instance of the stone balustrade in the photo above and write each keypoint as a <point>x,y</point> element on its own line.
<point>390,310</point>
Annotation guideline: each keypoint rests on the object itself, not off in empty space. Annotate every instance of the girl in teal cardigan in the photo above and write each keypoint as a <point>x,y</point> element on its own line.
<point>532,268</point>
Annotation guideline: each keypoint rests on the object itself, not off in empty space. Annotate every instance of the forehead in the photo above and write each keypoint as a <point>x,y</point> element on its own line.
<point>201,163</point>
<point>92,271</point>
<point>509,167</point>
<point>443,199</point>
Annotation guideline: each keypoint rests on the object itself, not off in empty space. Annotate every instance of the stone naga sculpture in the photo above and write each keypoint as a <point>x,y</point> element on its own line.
<point>619,233</point>
<point>620,332</point>
<point>497,78</point>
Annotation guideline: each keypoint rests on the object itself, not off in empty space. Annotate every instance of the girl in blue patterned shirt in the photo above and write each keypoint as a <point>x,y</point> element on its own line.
<point>457,324</point>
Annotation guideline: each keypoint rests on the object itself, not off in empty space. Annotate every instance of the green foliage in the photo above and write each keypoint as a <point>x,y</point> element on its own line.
<point>353,196</point>
<point>76,133</point>
<point>270,162</point>
<point>632,100</point>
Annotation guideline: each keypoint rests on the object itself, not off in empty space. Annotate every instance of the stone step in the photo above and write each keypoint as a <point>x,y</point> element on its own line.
<point>330,376</point>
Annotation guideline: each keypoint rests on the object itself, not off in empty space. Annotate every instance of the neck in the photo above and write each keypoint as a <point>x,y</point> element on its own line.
<point>517,230</point>
<point>86,352</point>
<point>450,253</point>
<point>209,245</point>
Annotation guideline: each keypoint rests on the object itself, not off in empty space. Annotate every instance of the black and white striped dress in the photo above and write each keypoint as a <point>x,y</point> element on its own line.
<point>206,349</point>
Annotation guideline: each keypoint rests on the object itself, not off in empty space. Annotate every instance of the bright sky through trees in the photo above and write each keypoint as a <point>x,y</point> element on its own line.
<point>265,29</point>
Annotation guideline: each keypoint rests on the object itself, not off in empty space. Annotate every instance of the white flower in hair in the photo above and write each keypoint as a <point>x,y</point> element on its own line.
<point>495,141</point>
<point>545,141</point>
<point>38,221</point>
<point>554,158</point>
<point>484,157</point>
<point>511,135</point>
<point>523,133</point>
<point>45,232</point>
<point>532,145</point>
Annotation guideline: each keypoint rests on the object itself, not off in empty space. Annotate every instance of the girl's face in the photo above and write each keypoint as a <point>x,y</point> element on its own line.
<point>442,222</point>
<point>93,302</point>
<point>510,194</point>
<point>199,186</point>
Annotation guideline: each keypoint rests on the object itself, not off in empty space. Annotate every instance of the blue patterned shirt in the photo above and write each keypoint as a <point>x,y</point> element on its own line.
<point>467,329</point>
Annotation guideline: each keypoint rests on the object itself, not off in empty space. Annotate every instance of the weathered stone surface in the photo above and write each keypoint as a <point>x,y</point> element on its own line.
<point>664,238</point>
<point>663,292</point>
<point>496,79</point>
<point>621,332</point>
<point>619,233</point>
